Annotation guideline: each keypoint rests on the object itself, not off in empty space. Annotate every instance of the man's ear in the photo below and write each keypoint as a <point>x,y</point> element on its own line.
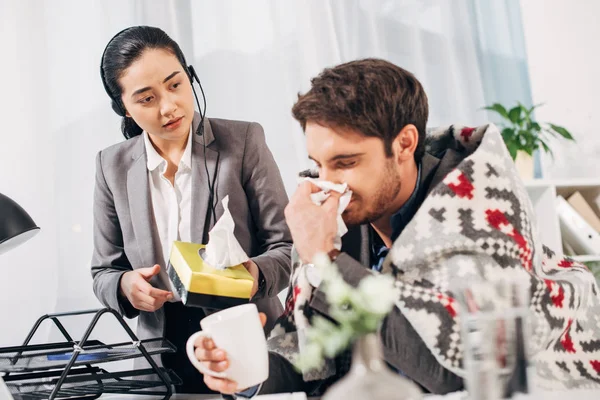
<point>405,144</point>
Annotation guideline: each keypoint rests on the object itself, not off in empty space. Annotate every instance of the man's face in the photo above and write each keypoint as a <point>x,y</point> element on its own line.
<point>344,155</point>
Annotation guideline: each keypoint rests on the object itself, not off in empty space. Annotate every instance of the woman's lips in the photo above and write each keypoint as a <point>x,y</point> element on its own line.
<point>173,124</point>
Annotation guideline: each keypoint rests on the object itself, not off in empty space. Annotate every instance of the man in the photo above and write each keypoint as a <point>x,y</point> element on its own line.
<point>365,125</point>
<point>445,212</point>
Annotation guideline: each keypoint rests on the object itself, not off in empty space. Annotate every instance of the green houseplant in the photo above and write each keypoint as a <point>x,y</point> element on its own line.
<point>523,135</point>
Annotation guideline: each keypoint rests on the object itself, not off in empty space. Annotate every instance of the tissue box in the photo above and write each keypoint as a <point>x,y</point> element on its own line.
<point>200,285</point>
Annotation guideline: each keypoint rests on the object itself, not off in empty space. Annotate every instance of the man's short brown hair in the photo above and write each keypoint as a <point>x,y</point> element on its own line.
<point>371,96</point>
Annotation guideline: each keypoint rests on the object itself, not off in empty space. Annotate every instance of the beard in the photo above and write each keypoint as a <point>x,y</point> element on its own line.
<point>376,205</point>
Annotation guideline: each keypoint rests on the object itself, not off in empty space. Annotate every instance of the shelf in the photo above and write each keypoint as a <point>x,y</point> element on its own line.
<point>67,370</point>
<point>93,383</point>
<point>562,183</point>
<point>543,194</point>
<point>58,355</point>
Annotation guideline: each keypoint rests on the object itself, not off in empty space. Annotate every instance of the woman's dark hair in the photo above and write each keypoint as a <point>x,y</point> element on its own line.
<point>371,96</point>
<point>123,50</point>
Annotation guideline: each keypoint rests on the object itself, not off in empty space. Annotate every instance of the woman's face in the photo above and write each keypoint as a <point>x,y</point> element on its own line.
<point>157,94</point>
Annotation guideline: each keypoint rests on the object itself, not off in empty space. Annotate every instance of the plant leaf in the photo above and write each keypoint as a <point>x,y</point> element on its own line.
<point>551,132</point>
<point>562,131</point>
<point>508,134</point>
<point>512,149</point>
<point>499,108</point>
<point>515,115</point>
<point>523,140</point>
<point>547,148</point>
<point>534,107</point>
<point>534,126</point>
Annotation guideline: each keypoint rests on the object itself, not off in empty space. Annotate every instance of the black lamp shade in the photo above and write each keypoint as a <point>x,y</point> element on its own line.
<point>16,226</point>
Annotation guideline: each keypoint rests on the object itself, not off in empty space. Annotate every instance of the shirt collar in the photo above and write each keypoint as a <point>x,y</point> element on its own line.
<point>155,159</point>
<point>399,221</point>
<point>186,158</point>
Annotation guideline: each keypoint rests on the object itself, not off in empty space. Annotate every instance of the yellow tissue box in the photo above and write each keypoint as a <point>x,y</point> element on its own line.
<point>201,285</point>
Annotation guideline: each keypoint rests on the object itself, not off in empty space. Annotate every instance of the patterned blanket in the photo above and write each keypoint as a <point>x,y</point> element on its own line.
<point>477,223</point>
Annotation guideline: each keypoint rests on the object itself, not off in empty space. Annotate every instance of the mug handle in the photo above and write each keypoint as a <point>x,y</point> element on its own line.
<point>198,364</point>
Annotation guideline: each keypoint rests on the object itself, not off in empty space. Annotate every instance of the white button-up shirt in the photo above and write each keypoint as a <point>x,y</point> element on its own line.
<point>172,203</point>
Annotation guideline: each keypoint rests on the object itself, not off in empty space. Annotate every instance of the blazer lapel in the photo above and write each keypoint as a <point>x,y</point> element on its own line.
<point>140,207</point>
<point>356,243</point>
<point>203,148</point>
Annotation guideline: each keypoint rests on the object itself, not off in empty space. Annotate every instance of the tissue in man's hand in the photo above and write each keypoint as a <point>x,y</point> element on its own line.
<point>319,197</point>
<point>223,250</point>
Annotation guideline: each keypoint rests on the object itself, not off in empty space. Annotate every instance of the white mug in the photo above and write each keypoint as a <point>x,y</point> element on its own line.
<point>239,332</point>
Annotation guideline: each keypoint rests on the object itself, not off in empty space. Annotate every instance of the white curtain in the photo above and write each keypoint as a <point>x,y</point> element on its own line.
<point>561,38</point>
<point>252,57</point>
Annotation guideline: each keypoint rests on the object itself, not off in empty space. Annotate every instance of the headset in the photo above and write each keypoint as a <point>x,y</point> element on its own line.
<point>117,106</point>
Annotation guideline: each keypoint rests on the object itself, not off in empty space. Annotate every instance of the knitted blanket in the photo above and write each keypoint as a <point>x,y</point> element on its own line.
<point>478,223</point>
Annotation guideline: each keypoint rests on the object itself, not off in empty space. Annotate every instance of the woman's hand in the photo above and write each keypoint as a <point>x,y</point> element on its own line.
<point>140,293</point>
<point>253,270</point>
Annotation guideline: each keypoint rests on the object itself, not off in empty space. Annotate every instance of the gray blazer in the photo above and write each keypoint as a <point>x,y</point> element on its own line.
<point>240,165</point>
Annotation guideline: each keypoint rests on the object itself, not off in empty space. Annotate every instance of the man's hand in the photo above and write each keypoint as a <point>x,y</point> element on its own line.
<point>216,360</point>
<point>313,227</point>
<point>140,293</point>
<point>253,270</point>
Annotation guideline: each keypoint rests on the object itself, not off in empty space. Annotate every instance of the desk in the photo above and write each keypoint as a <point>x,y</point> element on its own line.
<point>558,395</point>
<point>540,395</point>
<point>174,397</point>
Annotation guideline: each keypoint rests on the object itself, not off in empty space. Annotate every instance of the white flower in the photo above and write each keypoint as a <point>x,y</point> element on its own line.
<point>320,327</point>
<point>378,294</point>
<point>326,268</point>
<point>337,291</point>
<point>337,341</point>
<point>310,357</point>
<point>356,311</point>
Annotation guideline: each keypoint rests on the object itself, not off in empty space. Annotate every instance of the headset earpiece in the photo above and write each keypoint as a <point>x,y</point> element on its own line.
<point>192,74</point>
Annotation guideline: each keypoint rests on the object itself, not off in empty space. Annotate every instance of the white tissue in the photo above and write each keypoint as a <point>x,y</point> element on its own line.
<point>223,250</point>
<point>319,197</point>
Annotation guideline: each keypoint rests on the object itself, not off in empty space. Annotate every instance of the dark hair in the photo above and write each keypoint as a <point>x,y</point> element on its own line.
<point>123,50</point>
<point>371,96</point>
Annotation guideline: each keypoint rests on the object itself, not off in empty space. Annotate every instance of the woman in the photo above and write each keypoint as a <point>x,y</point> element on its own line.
<point>165,183</point>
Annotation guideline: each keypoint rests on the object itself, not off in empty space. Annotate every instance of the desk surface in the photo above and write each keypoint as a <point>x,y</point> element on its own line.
<point>183,397</point>
<point>559,395</point>
<point>578,394</point>
<point>174,397</point>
